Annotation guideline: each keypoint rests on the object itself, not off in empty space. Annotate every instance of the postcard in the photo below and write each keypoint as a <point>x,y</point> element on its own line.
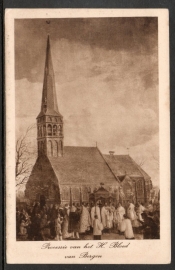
<point>87,136</point>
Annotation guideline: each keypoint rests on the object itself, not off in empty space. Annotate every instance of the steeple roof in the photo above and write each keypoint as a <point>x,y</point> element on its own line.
<point>49,100</point>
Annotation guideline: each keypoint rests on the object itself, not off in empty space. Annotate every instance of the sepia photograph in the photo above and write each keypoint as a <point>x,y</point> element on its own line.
<point>87,135</point>
<point>87,130</point>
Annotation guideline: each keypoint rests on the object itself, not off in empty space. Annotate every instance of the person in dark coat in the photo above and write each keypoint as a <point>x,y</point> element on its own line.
<point>74,221</point>
<point>49,211</point>
<point>44,224</point>
<point>54,212</point>
<point>53,216</point>
<point>35,230</point>
<point>43,211</point>
<point>36,209</point>
<point>149,227</point>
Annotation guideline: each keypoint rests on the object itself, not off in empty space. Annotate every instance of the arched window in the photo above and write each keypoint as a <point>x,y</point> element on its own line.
<point>60,149</point>
<point>56,119</point>
<point>59,130</point>
<point>49,147</point>
<point>41,131</point>
<point>139,185</point>
<point>42,147</point>
<point>50,119</point>
<point>55,148</point>
<point>54,130</point>
<point>65,194</point>
<point>44,130</point>
<point>128,189</point>
<point>49,130</point>
<point>76,194</point>
<point>140,188</point>
<point>38,131</point>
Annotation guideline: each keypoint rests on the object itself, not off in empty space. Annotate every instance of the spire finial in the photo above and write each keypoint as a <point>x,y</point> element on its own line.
<point>48,26</point>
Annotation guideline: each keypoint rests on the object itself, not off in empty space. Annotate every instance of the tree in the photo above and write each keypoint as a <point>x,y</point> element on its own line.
<point>24,154</point>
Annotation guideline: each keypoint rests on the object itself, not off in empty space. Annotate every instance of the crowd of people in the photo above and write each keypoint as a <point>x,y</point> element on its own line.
<point>57,222</point>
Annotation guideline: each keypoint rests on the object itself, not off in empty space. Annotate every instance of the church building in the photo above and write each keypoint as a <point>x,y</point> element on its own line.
<point>64,174</point>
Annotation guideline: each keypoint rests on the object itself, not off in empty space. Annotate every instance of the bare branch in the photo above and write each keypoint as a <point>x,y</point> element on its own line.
<point>24,153</point>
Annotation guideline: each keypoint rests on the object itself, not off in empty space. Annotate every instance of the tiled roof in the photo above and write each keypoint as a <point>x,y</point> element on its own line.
<point>124,164</point>
<point>83,165</point>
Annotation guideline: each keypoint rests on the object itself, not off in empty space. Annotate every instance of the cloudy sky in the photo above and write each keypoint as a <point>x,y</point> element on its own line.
<point>106,73</point>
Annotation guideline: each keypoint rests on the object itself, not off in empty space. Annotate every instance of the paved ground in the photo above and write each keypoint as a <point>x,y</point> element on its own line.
<point>113,236</point>
<point>105,236</point>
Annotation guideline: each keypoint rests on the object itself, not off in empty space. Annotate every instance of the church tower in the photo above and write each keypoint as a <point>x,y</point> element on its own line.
<point>49,121</point>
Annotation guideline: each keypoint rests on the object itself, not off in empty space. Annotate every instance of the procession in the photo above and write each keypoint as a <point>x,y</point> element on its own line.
<point>81,222</point>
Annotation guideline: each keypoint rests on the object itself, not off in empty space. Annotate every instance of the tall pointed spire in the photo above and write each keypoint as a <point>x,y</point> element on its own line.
<point>50,134</point>
<point>49,100</point>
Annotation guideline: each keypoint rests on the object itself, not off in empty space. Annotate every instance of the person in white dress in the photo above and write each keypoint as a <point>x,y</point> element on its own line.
<point>103,215</point>
<point>126,227</point>
<point>97,228</point>
<point>95,211</point>
<point>130,211</point>
<point>119,213</point>
<point>140,210</point>
<point>85,220</point>
<point>109,222</point>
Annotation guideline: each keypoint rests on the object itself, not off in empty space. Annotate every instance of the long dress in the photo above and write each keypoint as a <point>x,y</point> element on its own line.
<point>126,227</point>
<point>120,211</point>
<point>65,232</point>
<point>85,220</point>
<point>131,212</point>
<point>95,211</point>
<point>103,216</point>
<point>58,226</point>
<point>109,219</point>
<point>97,227</point>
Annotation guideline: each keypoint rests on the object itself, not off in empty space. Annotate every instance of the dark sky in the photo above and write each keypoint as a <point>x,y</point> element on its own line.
<point>136,35</point>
